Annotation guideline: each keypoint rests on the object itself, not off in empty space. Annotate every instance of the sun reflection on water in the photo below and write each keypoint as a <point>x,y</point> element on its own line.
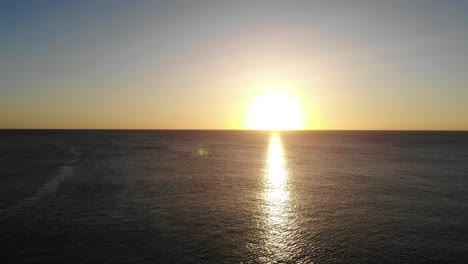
<point>279,215</point>
<point>276,193</point>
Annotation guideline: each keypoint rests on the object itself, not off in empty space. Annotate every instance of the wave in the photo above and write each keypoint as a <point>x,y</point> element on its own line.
<point>46,190</point>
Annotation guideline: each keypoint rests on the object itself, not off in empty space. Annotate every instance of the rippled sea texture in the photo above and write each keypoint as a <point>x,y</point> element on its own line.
<point>232,197</point>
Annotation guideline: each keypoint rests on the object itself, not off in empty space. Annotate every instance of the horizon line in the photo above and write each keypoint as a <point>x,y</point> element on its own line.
<point>250,130</point>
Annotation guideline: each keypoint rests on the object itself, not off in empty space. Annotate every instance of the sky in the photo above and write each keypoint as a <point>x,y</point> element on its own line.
<point>383,65</point>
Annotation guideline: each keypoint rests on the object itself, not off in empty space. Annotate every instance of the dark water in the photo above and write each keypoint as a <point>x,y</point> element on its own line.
<point>233,197</point>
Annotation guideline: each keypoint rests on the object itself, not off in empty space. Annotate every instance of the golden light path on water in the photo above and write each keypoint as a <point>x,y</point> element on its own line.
<point>279,212</point>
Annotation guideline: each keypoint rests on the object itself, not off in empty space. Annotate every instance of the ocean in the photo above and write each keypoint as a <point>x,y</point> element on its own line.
<point>162,196</point>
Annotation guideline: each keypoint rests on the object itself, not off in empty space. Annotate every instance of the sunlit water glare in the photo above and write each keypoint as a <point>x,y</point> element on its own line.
<point>279,213</point>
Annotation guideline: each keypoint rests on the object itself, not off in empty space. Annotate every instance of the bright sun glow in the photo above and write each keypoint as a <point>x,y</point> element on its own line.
<point>275,110</point>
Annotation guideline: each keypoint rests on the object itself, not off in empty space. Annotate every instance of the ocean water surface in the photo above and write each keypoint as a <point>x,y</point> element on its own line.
<point>85,196</point>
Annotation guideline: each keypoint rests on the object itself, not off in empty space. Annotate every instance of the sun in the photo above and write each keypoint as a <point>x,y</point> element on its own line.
<point>275,110</point>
